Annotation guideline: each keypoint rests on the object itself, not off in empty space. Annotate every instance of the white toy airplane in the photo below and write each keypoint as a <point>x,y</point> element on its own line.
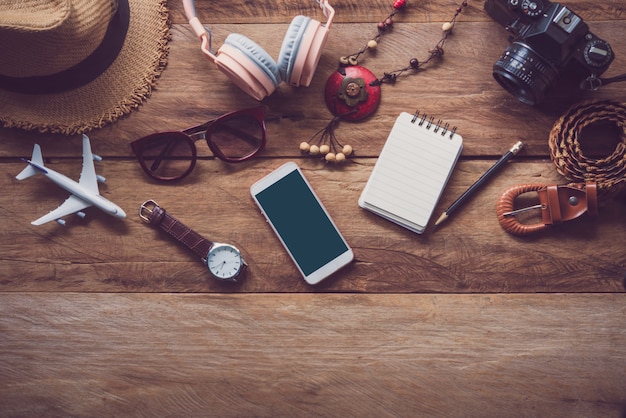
<point>84,194</point>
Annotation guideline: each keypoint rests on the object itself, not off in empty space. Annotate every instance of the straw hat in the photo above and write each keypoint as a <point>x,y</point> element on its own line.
<point>69,66</point>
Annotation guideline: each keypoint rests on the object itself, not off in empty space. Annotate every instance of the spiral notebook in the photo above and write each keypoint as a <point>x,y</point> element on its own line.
<point>412,170</point>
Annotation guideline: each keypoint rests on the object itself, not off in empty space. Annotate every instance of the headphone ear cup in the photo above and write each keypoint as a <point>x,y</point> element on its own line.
<point>256,54</point>
<point>290,49</point>
<point>248,65</point>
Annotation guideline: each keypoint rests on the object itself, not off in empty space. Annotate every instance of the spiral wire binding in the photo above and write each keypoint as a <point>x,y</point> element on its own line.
<point>431,122</point>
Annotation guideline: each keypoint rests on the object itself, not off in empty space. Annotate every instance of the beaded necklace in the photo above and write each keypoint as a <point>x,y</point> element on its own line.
<point>352,92</point>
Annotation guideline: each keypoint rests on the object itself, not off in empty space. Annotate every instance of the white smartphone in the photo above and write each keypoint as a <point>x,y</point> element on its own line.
<point>301,222</point>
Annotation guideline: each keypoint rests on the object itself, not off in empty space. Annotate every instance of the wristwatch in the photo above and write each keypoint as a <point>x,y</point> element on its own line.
<point>224,261</point>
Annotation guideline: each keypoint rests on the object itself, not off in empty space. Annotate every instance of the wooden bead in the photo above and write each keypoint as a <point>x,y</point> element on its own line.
<point>340,157</point>
<point>330,157</point>
<point>446,26</point>
<point>314,150</point>
<point>347,150</point>
<point>304,146</point>
<point>324,149</point>
<point>372,44</point>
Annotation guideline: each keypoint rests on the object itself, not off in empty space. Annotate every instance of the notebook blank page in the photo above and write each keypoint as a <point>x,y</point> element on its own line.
<point>412,170</point>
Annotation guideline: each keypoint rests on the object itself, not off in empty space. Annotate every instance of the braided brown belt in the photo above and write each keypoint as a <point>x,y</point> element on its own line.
<point>609,173</point>
<point>590,177</point>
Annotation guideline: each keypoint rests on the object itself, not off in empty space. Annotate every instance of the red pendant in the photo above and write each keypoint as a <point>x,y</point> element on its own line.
<point>399,4</point>
<point>349,93</point>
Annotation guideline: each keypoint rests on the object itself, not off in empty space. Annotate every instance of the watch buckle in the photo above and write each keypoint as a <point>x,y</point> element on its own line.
<point>146,209</point>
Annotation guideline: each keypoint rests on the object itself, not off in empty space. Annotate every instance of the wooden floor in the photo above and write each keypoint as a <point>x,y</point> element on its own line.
<point>107,317</point>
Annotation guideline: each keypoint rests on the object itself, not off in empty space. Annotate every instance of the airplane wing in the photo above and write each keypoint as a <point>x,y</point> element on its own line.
<point>88,177</point>
<point>71,205</point>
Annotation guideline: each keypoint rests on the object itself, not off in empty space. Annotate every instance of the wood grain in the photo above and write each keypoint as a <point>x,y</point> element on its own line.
<point>469,253</point>
<point>192,91</point>
<point>312,355</point>
<point>355,11</point>
<point>109,317</point>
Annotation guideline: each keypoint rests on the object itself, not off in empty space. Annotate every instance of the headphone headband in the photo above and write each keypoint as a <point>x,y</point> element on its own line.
<point>251,68</point>
<point>328,11</point>
<point>201,31</point>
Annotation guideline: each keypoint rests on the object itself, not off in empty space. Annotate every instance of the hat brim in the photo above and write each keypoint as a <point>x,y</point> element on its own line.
<point>116,92</point>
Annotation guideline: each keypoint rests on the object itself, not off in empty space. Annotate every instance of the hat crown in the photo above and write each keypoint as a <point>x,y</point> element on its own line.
<point>42,37</point>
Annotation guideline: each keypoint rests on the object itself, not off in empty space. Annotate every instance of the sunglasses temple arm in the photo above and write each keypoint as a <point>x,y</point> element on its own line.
<point>157,162</point>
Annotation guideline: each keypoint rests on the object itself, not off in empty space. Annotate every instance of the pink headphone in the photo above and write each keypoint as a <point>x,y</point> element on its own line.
<point>253,69</point>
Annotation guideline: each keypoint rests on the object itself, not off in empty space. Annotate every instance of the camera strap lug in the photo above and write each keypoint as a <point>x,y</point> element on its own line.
<point>591,83</point>
<point>594,83</point>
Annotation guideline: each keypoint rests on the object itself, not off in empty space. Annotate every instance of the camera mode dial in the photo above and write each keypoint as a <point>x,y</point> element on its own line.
<point>532,8</point>
<point>597,53</point>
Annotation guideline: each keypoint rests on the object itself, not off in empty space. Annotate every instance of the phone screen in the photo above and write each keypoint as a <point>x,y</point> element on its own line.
<point>301,222</point>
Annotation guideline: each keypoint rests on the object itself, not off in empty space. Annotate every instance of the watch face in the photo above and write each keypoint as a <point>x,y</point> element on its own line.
<point>224,261</point>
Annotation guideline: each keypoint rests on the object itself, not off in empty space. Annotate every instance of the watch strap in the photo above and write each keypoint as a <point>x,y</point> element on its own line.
<point>157,216</point>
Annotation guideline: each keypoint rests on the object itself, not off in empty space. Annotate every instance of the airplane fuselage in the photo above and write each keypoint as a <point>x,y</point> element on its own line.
<point>80,192</point>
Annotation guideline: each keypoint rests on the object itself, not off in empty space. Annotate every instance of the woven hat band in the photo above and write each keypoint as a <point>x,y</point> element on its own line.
<point>118,88</point>
<point>46,37</point>
<point>83,72</point>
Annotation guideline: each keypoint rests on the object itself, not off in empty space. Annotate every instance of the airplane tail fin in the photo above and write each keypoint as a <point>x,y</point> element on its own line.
<point>35,161</point>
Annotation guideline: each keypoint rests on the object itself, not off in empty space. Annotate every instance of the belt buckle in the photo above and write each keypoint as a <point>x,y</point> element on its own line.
<point>506,211</point>
<point>146,209</point>
<point>558,203</point>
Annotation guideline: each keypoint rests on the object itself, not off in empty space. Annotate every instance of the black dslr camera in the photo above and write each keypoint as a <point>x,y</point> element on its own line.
<point>548,40</point>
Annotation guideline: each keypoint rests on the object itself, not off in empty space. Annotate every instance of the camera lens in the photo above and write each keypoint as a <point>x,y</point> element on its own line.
<point>524,73</point>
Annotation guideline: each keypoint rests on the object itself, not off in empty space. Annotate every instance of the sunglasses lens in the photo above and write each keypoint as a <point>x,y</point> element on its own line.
<point>167,155</point>
<point>238,137</point>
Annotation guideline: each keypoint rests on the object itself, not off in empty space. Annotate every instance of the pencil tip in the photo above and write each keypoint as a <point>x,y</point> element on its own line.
<point>442,218</point>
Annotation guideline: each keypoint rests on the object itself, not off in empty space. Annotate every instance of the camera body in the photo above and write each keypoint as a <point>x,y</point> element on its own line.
<point>548,40</point>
